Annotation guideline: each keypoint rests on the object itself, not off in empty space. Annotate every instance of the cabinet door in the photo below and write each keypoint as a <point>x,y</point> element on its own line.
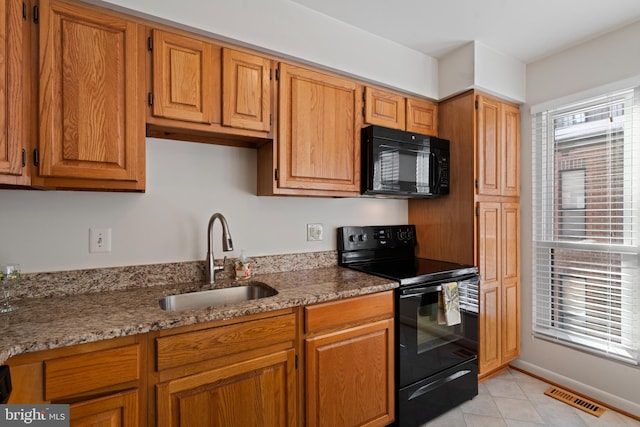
<point>256,392</point>
<point>422,117</point>
<point>510,281</point>
<point>489,146</point>
<point>349,377</point>
<point>384,108</point>
<point>490,266</point>
<point>119,409</point>
<point>246,91</point>
<point>13,90</point>
<point>91,124</point>
<point>183,78</point>
<point>319,132</point>
<point>510,132</point>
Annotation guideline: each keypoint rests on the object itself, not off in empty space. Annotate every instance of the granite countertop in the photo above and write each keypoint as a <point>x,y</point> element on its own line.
<point>56,321</point>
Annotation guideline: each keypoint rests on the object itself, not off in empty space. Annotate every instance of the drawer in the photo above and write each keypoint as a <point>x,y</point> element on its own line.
<point>352,310</point>
<point>197,346</point>
<point>82,373</point>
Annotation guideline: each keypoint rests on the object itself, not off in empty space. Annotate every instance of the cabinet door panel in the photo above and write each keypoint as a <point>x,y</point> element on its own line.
<point>89,102</point>
<point>511,147</point>
<point>246,91</point>
<point>384,108</point>
<point>182,78</point>
<point>12,91</point>
<point>510,281</point>
<point>114,410</point>
<point>318,132</point>
<point>256,392</point>
<point>349,376</point>
<point>422,117</point>
<point>489,146</point>
<point>490,346</point>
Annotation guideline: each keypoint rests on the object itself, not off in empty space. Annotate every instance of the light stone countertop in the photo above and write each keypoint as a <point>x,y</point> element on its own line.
<point>48,322</point>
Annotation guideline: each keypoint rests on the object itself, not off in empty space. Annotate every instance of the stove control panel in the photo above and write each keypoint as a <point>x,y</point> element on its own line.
<point>376,237</point>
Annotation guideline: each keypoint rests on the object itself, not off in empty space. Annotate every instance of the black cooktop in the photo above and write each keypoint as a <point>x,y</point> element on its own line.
<point>388,251</point>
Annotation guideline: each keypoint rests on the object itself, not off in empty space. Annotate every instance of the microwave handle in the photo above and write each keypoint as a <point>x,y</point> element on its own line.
<point>433,172</point>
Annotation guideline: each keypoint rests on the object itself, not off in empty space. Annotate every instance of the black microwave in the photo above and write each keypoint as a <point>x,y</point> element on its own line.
<point>401,164</point>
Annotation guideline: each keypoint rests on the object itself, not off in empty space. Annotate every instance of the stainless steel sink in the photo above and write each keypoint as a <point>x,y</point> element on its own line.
<point>216,297</point>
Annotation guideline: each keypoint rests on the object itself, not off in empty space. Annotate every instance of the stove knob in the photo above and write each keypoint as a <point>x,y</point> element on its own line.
<point>352,238</point>
<point>363,237</point>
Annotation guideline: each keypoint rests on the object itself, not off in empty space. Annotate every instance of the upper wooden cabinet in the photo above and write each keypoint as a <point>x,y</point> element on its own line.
<point>204,92</point>
<point>384,108</point>
<point>184,85</point>
<point>91,129</point>
<point>14,80</point>
<point>498,147</point>
<point>394,110</point>
<point>246,91</point>
<point>318,144</point>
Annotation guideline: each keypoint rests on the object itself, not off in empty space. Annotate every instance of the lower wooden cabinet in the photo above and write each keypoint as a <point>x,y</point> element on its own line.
<point>120,409</point>
<point>255,392</point>
<point>349,367</point>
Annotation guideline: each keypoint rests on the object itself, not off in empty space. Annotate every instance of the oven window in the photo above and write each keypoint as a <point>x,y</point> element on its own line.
<point>431,329</point>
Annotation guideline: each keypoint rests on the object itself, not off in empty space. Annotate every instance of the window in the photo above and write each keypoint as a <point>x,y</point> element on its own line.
<point>586,202</point>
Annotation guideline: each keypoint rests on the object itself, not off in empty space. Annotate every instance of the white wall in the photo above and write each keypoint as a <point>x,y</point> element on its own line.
<point>186,183</point>
<point>604,61</point>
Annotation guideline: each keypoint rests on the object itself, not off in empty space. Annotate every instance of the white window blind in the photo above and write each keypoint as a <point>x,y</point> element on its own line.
<point>586,199</point>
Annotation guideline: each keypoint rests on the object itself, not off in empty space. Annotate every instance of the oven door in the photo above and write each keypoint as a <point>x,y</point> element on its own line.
<point>427,347</point>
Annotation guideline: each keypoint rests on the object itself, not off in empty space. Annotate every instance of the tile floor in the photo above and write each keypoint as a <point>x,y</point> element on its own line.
<point>514,399</point>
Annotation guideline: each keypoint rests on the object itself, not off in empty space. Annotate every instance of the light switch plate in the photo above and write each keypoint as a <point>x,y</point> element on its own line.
<point>99,240</point>
<point>314,232</point>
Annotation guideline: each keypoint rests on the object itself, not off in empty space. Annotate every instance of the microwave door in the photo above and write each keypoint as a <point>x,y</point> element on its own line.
<point>403,170</point>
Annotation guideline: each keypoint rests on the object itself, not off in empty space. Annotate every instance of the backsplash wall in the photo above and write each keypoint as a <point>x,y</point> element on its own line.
<point>186,183</point>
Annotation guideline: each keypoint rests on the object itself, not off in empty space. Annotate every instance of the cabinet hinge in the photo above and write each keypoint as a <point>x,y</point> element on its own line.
<point>277,74</point>
<point>150,99</point>
<point>476,183</point>
<point>476,103</point>
<point>24,11</point>
<point>150,44</point>
<point>296,361</point>
<point>275,174</point>
<point>270,73</point>
<point>36,14</point>
<point>477,211</point>
<point>364,97</point>
<point>363,113</point>
<point>36,157</point>
<point>24,157</point>
<point>270,120</point>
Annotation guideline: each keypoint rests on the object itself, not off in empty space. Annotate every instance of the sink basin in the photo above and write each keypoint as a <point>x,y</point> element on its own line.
<point>216,297</point>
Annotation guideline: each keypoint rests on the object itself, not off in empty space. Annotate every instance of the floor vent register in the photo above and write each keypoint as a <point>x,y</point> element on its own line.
<point>575,401</point>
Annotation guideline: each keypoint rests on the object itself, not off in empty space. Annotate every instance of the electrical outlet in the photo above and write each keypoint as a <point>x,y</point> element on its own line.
<point>314,232</point>
<point>99,240</point>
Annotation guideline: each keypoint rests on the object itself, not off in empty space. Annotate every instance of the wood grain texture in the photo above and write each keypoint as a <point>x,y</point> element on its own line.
<point>78,374</point>
<point>510,132</point>
<point>489,146</point>
<point>192,347</point>
<point>246,91</point>
<point>329,315</point>
<point>120,409</point>
<point>510,304</point>
<point>183,78</point>
<point>422,116</point>
<point>384,108</point>
<point>255,392</point>
<point>349,376</point>
<point>90,99</point>
<point>319,131</point>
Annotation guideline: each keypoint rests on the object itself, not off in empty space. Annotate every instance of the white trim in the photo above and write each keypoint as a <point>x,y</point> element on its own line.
<point>585,389</point>
<point>629,83</point>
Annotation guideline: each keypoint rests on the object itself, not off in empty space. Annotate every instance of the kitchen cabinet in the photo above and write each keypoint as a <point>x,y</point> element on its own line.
<point>317,150</point>
<point>91,132</point>
<point>478,223</point>
<point>101,381</point>
<point>14,84</point>
<point>232,375</point>
<point>206,92</point>
<point>349,362</point>
<point>396,111</point>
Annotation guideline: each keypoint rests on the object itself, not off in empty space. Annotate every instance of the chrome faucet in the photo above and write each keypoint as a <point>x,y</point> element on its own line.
<point>227,245</point>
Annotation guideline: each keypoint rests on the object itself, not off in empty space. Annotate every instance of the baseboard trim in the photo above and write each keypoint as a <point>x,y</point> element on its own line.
<point>608,400</point>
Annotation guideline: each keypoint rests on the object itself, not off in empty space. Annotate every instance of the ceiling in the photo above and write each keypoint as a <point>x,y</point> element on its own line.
<point>524,30</point>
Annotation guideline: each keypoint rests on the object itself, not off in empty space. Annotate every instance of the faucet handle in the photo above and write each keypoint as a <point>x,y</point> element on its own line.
<point>222,267</point>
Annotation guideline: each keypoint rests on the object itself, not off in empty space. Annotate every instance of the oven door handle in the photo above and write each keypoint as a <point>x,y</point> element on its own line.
<point>437,383</point>
<point>411,292</point>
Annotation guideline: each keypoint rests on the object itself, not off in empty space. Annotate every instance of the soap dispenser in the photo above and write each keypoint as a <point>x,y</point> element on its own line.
<point>243,267</point>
